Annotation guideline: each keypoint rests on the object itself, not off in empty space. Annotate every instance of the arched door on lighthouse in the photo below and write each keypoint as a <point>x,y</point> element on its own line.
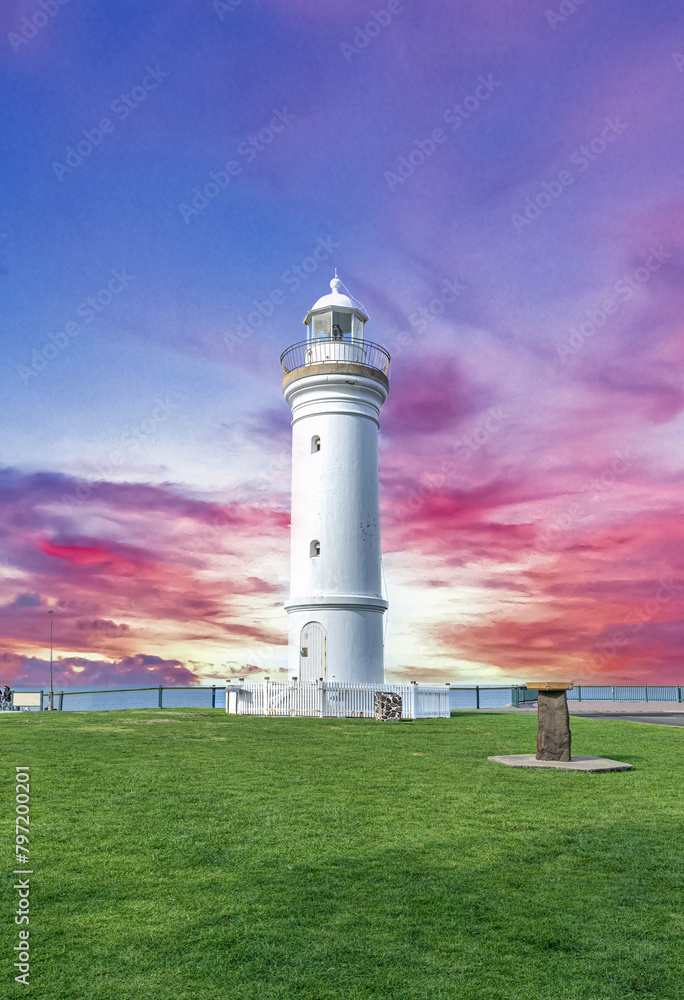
<point>313,658</point>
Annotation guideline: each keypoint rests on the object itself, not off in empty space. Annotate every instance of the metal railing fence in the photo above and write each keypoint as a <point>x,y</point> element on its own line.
<point>326,351</point>
<point>609,692</point>
<point>160,696</point>
<point>479,696</point>
<point>626,692</point>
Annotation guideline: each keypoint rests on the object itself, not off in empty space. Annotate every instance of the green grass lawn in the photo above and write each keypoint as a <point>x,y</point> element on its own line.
<point>191,854</point>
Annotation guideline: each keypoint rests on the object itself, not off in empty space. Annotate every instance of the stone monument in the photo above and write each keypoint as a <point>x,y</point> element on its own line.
<point>553,736</point>
<point>553,732</point>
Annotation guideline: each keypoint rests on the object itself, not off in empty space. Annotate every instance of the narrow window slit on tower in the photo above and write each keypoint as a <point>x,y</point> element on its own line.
<point>315,549</point>
<point>315,443</point>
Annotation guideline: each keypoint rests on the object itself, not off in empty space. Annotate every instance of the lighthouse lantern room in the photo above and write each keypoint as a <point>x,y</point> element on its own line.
<point>335,383</point>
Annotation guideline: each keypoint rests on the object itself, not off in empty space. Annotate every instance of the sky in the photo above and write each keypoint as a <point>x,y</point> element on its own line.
<point>499,184</point>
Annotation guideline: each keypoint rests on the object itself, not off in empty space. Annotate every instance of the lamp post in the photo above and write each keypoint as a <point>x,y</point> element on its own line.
<point>52,693</point>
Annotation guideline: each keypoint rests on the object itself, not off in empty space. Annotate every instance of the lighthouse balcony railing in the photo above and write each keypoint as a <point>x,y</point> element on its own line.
<point>326,350</point>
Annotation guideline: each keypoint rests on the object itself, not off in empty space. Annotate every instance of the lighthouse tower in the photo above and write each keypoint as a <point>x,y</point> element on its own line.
<point>335,382</point>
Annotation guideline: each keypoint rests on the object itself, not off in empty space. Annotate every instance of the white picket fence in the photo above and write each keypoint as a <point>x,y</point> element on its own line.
<point>333,699</point>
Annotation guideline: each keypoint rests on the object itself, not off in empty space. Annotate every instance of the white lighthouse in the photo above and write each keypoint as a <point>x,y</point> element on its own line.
<point>335,382</point>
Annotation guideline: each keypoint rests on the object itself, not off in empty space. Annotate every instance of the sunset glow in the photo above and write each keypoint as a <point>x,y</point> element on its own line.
<point>524,268</point>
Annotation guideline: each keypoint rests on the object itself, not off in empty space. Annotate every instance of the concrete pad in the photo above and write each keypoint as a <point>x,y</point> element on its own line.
<point>576,764</point>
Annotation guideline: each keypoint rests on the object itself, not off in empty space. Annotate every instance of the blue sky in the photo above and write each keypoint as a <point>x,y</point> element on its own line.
<point>510,559</point>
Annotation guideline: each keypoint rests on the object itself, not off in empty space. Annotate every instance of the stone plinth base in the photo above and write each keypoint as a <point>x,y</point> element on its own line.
<point>575,764</point>
<point>387,706</point>
<point>553,736</point>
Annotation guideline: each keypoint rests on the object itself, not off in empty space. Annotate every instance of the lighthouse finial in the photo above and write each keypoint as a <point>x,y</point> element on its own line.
<point>335,283</point>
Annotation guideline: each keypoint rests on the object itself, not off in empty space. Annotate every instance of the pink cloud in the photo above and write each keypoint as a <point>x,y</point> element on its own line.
<point>92,556</point>
<point>170,567</point>
<point>138,669</point>
<point>429,396</point>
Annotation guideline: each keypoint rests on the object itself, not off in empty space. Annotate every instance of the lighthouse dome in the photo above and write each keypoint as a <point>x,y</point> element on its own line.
<point>336,300</point>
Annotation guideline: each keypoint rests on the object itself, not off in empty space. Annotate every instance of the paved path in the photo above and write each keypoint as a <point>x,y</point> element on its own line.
<point>658,719</point>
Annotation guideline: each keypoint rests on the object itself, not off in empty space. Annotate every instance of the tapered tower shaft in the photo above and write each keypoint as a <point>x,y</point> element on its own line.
<point>335,383</point>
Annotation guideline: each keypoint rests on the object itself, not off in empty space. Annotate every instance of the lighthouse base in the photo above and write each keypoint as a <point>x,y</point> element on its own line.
<point>337,641</point>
